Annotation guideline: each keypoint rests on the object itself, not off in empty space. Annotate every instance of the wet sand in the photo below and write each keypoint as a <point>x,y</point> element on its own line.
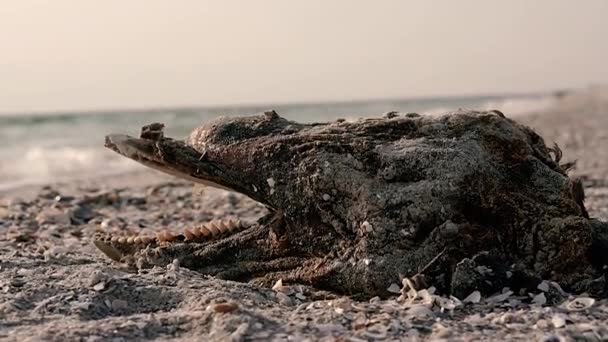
<point>54,284</point>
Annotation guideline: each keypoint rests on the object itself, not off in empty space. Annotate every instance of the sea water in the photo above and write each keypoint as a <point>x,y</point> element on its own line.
<point>54,147</point>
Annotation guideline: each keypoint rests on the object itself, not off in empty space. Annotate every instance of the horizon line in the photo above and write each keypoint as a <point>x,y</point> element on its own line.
<point>187,107</point>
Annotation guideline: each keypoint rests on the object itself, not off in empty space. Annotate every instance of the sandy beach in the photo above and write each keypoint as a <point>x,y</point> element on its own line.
<point>56,286</point>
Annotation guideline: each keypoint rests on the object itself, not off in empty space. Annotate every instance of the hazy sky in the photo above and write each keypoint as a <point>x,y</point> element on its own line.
<point>88,54</point>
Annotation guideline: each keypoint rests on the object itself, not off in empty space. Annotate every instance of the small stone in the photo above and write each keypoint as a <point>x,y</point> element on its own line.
<point>5,213</point>
<point>474,297</point>
<point>283,299</point>
<point>326,197</point>
<point>541,324</point>
<point>224,307</point>
<point>99,286</point>
<point>539,299</point>
<point>558,320</point>
<point>53,216</point>
<point>301,296</point>
<point>499,298</point>
<point>543,286</point>
<point>119,305</point>
<point>394,288</point>
<point>97,277</point>
<point>420,310</point>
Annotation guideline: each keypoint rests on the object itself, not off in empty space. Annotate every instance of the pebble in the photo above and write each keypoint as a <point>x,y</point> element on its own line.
<point>539,299</point>
<point>283,299</point>
<point>394,288</point>
<point>419,311</point>
<point>474,297</point>
<point>558,320</point>
<point>119,305</point>
<point>4,213</point>
<point>224,307</point>
<point>543,286</point>
<point>99,286</point>
<point>53,216</point>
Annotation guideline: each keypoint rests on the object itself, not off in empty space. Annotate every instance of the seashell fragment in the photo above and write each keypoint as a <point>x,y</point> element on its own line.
<point>580,304</point>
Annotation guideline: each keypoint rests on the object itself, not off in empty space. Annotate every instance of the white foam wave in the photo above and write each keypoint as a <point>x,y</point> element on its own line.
<point>514,106</point>
<point>38,164</point>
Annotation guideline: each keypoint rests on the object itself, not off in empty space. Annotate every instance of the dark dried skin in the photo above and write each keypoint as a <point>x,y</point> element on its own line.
<point>355,206</point>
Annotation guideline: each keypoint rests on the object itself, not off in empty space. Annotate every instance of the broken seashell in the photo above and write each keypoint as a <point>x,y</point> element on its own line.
<point>580,304</point>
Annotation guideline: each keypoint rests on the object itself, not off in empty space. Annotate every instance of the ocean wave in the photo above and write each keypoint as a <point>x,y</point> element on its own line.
<point>42,165</point>
<point>56,149</point>
<point>510,106</point>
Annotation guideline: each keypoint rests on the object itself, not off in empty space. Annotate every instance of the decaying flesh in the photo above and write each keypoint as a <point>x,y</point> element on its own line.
<point>357,206</point>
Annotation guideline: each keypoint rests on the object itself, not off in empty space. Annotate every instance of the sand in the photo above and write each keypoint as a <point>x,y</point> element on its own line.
<point>54,284</point>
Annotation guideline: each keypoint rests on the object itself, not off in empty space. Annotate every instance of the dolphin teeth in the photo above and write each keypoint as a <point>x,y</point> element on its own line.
<point>205,231</point>
<point>189,235</point>
<point>130,240</point>
<point>165,236</point>
<point>197,232</point>
<point>213,228</point>
<point>122,240</point>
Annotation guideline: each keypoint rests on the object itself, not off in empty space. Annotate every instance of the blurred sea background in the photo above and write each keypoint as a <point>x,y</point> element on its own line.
<point>55,147</point>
